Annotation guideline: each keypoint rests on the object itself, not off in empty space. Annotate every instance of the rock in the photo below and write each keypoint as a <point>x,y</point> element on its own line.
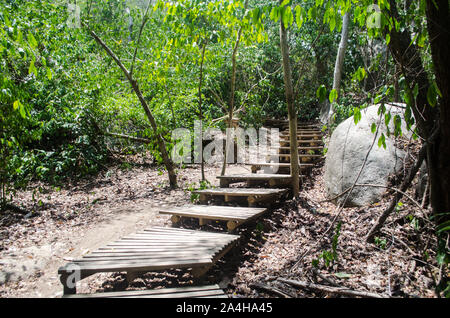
<point>346,153</point>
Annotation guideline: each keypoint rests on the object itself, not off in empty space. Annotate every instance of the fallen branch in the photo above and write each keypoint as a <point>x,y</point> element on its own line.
<point>331,290</point>
<point>270,289</point>
<point>329,281</point>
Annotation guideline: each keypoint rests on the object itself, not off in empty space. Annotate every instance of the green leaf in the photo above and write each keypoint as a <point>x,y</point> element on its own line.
<point>360,73</point>
<point>299,16</point>
<point>397,125</point>
<point>49,74</point>
<point>321,93</point>
<point>274,14</point>
<point>32,69</point>
<point>356,115</point>
<point>332,23</point>
<point>22,111</point>
<point>333,95</point>
<point>16,105</point>
<point>382,141</point>
<point>373,128</point>
<point>32,41</point>
<point>432,95</point>
<point>445,226</point>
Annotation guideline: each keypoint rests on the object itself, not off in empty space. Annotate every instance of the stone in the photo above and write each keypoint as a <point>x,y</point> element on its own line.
<point>346,153</point>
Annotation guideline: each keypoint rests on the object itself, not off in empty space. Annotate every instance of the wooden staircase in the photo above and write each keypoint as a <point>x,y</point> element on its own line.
<point>156,248</point>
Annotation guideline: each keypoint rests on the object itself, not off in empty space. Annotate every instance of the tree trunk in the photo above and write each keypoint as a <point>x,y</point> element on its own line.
<point>200,106</point>
<point>229,143</point>
<point>289,91</point>
<point>174,119</point>
<point>338,67</point>
<point>438,24</point>
<point>328,109</point>
<point>162,147</point>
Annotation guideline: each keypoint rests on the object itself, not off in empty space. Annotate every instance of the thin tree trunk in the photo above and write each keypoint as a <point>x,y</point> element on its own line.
<point>200,103</point>
<point>162,147</point>
<point>229,143</point>
<point>292,114</point>
<point>339,65</point>
<point>174,120</point>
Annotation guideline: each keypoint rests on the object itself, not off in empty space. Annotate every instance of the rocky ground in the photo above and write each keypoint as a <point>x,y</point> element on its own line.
<point>288,242</point>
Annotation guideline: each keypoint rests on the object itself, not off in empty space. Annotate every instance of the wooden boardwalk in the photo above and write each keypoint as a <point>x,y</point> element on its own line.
<point>159,248</point>
<point>153,249</point>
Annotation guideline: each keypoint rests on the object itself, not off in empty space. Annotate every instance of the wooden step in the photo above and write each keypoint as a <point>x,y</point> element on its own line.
<point>150,250</point>
<point>300,148</point>
<point>273,180</point>
<point>303,136</point>
<point>211,291</point>
<point>234,216</point>
<point>302,157</point>
<point>277,167</point>
<point>302,131</point>
<point>253,195</point>
<point>285,123</point>
<point>302,142</point>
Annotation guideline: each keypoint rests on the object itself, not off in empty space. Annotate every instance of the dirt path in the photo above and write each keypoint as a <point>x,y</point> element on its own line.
<point>80,219</point>
<point>45,260</point>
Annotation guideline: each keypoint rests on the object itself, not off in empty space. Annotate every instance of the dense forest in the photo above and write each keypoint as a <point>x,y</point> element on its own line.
<point>86,85</point>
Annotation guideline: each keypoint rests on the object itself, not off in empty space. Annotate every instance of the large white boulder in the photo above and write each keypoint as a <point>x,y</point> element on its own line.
<point>346,153</point>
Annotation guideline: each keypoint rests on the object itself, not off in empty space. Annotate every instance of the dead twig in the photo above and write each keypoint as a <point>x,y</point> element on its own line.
<point>331,290</point>
<point>271,289</point>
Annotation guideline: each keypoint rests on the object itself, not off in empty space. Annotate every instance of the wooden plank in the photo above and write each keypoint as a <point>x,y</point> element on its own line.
<point>92,268</point>
<point>241,191</point>
<point>174,256</point>
<point>180,292</point>
<point>303,166</point>
<point>303,137</point>
<point>223,213</point>
<point>302,141</point>
<point>144,253</point>
<point>271,179</point>
<point>300,148</point>
<point>300,155</point>
<point>255,176</point>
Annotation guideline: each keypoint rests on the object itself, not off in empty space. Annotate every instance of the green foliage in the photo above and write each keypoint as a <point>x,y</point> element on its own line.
<point>202,185</point>
<point>329,257</point>
<point>381,243</point>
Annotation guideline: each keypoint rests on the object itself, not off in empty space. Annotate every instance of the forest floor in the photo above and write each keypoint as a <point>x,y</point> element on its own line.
<point>83,216</point>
